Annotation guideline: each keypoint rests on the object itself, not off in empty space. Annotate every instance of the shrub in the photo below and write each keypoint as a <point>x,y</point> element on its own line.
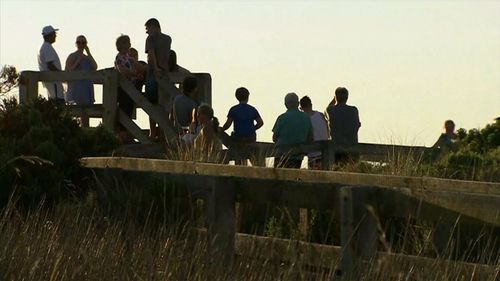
<point>40,129</point>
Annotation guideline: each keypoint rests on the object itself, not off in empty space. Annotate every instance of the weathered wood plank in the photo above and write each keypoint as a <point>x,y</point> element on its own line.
<point>328,256</point>
<point>110,99</point>
<point>155,112</point>
<point>170,166</point>
<point>93,111</point>
<point>49,76</point>
<point>132,128</point>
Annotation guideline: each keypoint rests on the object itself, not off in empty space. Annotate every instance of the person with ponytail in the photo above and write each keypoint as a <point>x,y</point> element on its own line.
<point>208,139</point>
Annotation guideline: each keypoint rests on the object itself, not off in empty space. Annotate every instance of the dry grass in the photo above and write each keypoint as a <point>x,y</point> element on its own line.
<point>81,241</point>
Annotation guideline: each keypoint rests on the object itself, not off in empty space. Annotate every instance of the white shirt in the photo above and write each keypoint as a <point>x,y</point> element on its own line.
<point>48,54</point>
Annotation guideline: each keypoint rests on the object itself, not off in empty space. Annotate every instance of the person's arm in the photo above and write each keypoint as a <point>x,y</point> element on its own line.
<point>228,124</point>
<point>275,137</point>
<point>259,123</point>
<point>92,60</point>
<point>72,62</point>
<point>52,67</point>
<point>152,61</point>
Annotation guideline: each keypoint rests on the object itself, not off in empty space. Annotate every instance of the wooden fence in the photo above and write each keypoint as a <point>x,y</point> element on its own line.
<point>110,113</point>
<point>359,200</point>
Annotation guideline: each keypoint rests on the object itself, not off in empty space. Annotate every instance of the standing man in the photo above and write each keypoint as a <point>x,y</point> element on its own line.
<point>292,128</point>
<point>159,88</point>
<point>344,122</point>
<point>48,60</point>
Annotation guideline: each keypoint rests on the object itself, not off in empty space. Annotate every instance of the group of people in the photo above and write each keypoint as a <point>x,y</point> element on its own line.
<point>196,124</point>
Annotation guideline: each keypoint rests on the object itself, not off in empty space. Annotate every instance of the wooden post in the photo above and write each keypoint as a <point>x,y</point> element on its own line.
<point>358,228</point>
<point>328,155</point>
<point>109,99</point>
<point>221,221</point>
<point>28,86</point>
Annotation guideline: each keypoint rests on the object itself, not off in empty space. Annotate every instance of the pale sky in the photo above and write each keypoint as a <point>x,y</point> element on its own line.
<point>408,65</point>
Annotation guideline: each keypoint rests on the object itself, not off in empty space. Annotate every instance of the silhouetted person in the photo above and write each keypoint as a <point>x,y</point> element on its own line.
<point>140,69</point>
<point>159,88</point>
<point>292,128</point>
<point>125,65</point>
<point>184,105</point>
<point>81,92</point>
<point>172,64</point>
<point>247,121</point>
<point>447,139</point>
<point>320,130</point>
<point>344,122</point>
<point>48,60</point>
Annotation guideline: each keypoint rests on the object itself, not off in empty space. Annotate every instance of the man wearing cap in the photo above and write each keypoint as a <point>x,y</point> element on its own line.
<point>292,128</point>
<point>48,60</point>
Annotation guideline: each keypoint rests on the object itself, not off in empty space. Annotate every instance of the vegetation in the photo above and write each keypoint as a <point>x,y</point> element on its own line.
<point>9,78</point>
<point>40,148</point>
<point>60,222</point>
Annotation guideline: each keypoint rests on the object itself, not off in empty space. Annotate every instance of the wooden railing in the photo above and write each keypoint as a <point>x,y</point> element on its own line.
<point>358,201</point>
<point>108,110</point>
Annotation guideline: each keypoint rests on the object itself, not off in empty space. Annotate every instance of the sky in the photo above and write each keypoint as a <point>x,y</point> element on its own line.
<point>408,65</point>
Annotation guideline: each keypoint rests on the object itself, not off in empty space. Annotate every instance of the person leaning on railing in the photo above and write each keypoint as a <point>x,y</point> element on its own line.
<point>246,121</point>
<point>291,129</point>
<point>48,60</point>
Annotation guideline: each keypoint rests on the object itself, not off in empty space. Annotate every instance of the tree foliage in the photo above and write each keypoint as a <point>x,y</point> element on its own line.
<point>40,148</point>
<point>9,78</point>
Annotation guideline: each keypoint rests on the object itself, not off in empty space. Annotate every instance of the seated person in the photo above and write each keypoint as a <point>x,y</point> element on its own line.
<point>447,139</point>
<point>292,128</point>
<point>184,104</point>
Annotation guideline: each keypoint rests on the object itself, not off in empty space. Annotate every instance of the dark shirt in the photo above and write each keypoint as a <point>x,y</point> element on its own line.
<point>160,44</point>
<point>344,124</point>
<point>243,116</point>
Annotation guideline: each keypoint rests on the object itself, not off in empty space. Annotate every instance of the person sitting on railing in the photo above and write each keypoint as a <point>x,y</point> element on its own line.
<point>207,143</point>
<point>246,120</point>
<point>81,92</point>
<point>184,105</point>
<point>48,60</point>
<point>159,87</point>
<point>446,140</point>
<point>344,124</point>
<point>292,128</point>
<point>125,65</point>
<point>320,130</point>
<point>173,66</point>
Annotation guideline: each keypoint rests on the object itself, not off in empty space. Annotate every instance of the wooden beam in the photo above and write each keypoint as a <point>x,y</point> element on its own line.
<point>97,77</point>
<point>93,111</point>
<point>110,99</point>
<point>313,176</point>
<point>157,113</point>
<point>132,128</point>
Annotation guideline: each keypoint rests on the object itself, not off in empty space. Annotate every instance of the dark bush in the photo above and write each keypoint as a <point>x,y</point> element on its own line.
<point>42,130</point>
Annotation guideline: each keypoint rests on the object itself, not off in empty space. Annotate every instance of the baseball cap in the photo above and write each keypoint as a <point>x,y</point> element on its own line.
<point>48,30</point>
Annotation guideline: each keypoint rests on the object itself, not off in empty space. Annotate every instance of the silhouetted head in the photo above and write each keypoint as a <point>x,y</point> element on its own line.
<point>81,42</point>
<point>49,34</point>
<point>341,94</point>
<point>291,101</point>
<point>133,53</point>
<point>205,115</point>
<point>123,43</point>
<point>152,26</point>
<point>305,103</point>
<point>449,126</point>
<point>242,94</point>
<point>189,85</point>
